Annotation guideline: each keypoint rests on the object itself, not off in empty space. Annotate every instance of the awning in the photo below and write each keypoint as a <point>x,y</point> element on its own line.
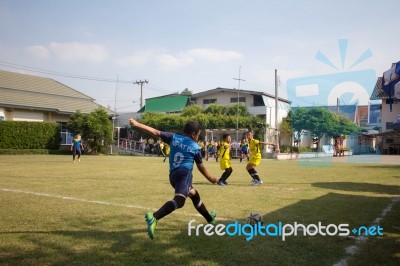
<point>394,133</point>
<point>166,104</point>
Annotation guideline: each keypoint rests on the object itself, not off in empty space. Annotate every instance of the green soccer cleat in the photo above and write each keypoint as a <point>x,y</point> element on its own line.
<point>213,214</point>
<point>151,224</point>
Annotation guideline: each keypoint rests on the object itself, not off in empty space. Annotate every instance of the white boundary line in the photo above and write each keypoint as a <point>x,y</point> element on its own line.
<point>74,199</point>
<point>359,240</point>
<point>94,201</point>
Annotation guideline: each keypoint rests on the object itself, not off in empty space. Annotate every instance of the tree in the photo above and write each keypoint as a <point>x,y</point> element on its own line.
<point>76,122</point>
<point>320,121</point>
<point>213,117</point>
<point>237,108</point>
<point>299,123</point>
<point>186,91</point>
<point>96,128</point>
<point>285,128</point>
<point>346,126</point>
<point>215,109</point>
<point>192,110</point>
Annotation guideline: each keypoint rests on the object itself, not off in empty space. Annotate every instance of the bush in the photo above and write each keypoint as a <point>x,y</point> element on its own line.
<point>304,149</point>
<point>288,149</point>
<point>32,151</point>
<point>29,135</point>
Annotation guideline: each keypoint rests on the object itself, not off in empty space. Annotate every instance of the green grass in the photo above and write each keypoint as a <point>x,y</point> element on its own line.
<point>54,212</point>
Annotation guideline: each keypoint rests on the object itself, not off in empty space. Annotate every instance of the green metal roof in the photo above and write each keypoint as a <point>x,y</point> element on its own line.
<point>166,104</point>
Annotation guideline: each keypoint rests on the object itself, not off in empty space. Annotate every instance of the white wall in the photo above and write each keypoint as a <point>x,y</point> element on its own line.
<point>224,98</point>
<point>2,114</point>
<point>27,116</point>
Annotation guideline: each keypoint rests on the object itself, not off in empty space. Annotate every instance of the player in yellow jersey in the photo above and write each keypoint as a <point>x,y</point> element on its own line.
<point>255,157</point>
<point>225,159</point>
<point>166,151</point>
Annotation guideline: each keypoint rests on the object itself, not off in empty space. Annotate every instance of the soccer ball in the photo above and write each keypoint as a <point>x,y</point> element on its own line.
<point>254,218</point>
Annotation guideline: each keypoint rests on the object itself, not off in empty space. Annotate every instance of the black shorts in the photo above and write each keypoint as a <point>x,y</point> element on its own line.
<point>181,180</point>
<point>76,151</point>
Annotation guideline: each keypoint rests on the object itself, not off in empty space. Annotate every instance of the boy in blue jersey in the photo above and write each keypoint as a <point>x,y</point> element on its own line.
<point>184,151</point>
<point>76,147</point>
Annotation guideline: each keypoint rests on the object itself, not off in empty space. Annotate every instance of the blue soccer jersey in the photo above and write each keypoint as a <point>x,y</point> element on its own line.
<point>76,143</point>
<point>184,151</point>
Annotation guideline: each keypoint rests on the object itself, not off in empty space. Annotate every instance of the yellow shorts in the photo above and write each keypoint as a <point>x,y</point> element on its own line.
<point>255,160</point>
<point>224,164</point>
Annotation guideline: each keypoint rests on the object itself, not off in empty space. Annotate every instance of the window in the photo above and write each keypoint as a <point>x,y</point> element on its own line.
<point>209,101</point>
<point>66,136</point>
<point>258,100</point>
<point>1,118</point>
<point>241,99</point>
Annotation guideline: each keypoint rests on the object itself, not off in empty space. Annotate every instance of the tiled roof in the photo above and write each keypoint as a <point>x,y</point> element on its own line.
<point>33,92</point>
<point>378,93</point>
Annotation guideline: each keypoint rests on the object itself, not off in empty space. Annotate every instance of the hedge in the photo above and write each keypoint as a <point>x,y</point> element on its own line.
<point>29,135</point>
<point>33,151</point>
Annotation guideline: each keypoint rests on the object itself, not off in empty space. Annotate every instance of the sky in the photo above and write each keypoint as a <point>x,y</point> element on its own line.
<point>89,45</point>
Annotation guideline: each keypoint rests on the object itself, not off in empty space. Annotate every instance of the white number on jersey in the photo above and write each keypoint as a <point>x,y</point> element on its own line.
<point>178,159</point>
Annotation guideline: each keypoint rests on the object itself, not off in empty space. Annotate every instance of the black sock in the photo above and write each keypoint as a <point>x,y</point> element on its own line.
<point>254,174</point>
<point>166,209</point>
<point>170,206</point>
<point>226,174</point>
<point>200,207</point>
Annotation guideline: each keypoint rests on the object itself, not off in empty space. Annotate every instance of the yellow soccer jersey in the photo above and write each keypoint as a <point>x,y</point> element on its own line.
<point>166,149</point>
<point>254,146</point>
<point>225,150</point>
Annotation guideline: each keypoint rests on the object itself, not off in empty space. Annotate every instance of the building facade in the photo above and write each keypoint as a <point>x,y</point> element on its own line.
<point>388,139</point>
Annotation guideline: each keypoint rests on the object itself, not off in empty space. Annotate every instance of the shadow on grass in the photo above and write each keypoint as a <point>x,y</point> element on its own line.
<point>295,250</point>
<point>382,250</point>
<point>173,246</point>
<point>383,166</point>
<point>360,187</point>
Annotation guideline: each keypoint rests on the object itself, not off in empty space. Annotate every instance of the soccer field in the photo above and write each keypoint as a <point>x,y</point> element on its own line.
<point>56,212</point>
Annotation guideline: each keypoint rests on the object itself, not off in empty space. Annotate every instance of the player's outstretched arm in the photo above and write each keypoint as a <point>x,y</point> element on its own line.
<point>206,174</point>
<point>267,143</point>
<point>145,128</point>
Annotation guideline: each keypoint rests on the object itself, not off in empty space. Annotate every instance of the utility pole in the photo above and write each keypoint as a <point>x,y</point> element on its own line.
<point>277,149</point>
<point>337,105</point>
<point>237,110</point>
<point>114,115</point>
<point>141,90</point>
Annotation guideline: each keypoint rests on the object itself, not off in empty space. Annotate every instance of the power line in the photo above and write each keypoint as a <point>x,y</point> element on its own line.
<point>55,73</point>
<point>157,88</point>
